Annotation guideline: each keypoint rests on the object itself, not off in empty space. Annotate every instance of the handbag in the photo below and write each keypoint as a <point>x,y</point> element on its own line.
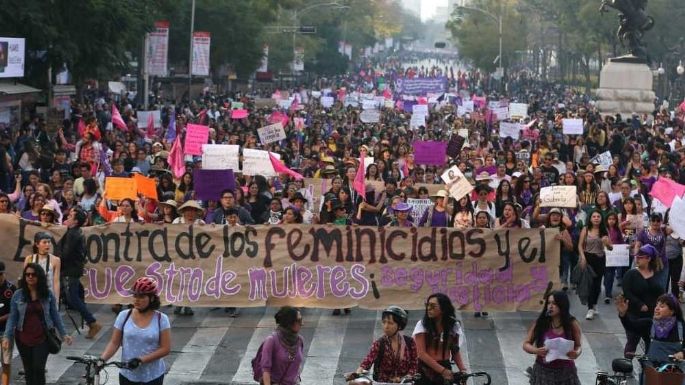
<point>52,338</point>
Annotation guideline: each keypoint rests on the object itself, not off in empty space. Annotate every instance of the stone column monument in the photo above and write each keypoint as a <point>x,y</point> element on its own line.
<point>625,83</point>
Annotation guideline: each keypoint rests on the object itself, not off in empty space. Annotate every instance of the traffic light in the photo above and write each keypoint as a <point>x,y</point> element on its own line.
<point>307,29</point>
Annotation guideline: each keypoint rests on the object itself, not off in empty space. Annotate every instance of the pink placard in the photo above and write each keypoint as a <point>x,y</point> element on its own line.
<point>238,114</point>
<point>196,136</point>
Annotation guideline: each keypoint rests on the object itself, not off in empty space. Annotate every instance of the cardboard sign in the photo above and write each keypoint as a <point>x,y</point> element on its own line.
<point>509,129</point>
<point>429,152</point>
<point>420,109</point>
<point>572,126</point>
<point>257,162</point>
<point>417,120</point>
<point>369,104</point>
<point>220,156</point>
<point>196,136</point>
<point>456,183</point>
<point>500,113</point>
<point>120,188</point>
<point>271,133</point>
<point>327,101</point>
<point>209,184</point>
<point>618,256</point>
<point>254,262</point>
<point>518,110</point>
<point>419,207</point>
<point>147,187</point>
<point>558,196</point>
<point>604,159</point>
<point>370,116</point>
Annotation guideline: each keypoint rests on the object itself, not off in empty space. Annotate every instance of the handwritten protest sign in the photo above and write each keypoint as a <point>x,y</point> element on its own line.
<point>454,145</point>
<point>430,152</point>
<point>120,188</point>
<point>147,187</point>
<point>236,105</point>
<point>220,156</point>
<point>417,120</point>
<point>257,162</point>
<point>327,101</point>
<point>518,110</point>
<point>500,113</point>
<point>618,256</point>
<point>468,106</point>
<point>420,109</point>
<point>208,184</point>
<point>457,184</point>
<point>326,266</point>
<point>509,129</point>
<point>143,117</point>
<point>558,196</point>
<point>419,207</point>
<point>271,133</point>
<point>572,126</point>
<point>369,104</point>
<point>196,136</point>
<point>284,104</point>
<point>239,114</point>
<point>604,159</point>
<point>370,116</point>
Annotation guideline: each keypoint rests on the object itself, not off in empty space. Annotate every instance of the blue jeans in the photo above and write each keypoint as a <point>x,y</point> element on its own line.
<point>662,277</point>
<point>609,275</point>
<point>72,292</point>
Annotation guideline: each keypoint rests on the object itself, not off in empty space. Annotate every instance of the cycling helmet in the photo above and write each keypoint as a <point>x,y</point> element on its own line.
<point>398,314</point>
<point>144,285</point>
<point>41,235</point>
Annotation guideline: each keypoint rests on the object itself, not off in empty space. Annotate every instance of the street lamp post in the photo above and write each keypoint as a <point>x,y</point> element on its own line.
<point>298,12</point>
<point>498,20</point>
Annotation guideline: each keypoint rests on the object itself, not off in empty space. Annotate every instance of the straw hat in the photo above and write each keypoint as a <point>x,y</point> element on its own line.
<point>191,204</point>
<point>440,194</point>
<point>170,202</point>
<point>330,169</point>
<point>47,208</point>
<point>483,176</point>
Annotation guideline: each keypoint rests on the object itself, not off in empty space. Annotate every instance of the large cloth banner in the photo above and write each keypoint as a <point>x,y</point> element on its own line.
<point>158,48</point>
<point>421,86</point>
<point>201,44</point>
<point>310,266</point>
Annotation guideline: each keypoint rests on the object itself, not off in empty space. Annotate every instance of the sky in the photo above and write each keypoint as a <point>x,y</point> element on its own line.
<point>428,8</point>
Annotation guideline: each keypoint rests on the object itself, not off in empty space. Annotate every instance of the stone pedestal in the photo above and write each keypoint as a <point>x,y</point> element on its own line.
<point>625,88</point>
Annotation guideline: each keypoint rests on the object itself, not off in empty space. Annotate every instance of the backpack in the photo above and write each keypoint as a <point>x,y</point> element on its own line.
<point>257,370</point>
<point>381,351</point>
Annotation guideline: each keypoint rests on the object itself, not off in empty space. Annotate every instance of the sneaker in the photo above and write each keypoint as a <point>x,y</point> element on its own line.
<point>485,314</point>
<point>231,311</point>
<point>348,310</point>
<point>595,310</point>
<point>187,311</point>
<point>607,300</point>
<point>336,312</point>
<point>477,314</point>
<point>177,309</point>
<point>93,330</point>
<point>590,314</point>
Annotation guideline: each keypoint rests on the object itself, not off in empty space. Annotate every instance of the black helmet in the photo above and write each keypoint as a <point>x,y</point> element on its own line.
<point>398,314</point>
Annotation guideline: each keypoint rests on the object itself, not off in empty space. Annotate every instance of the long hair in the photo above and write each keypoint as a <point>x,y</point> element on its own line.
<point>448,321</point>
<point>544,321</point>
<point>41,282</point>
<point>134,211</point>
<point>602,227</point>
<point>672,302</point>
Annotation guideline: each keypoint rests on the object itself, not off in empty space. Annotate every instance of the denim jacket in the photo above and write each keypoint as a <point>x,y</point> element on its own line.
<point>18,311</point>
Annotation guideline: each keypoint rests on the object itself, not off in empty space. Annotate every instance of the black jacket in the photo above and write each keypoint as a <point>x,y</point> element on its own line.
<point>72,248</point>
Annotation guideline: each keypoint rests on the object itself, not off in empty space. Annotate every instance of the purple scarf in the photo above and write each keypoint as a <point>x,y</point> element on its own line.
<point>663,327</point>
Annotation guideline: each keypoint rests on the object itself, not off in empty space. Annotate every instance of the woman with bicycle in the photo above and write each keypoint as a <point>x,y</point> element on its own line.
<point>144,335</point>
<point>394,355</point>
<point>33,313</point>
<point>665,329</point>
<point>555,321</point>
<point>438,338</point>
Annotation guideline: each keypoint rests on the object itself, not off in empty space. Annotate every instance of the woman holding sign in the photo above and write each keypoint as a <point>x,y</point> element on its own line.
<point>593,239</point>
<point>555,321</point>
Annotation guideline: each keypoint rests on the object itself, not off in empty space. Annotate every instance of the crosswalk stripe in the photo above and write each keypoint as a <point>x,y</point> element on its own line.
<point>198,351</point>
<point>263,329</point>
<point>510,338</point>
<point>322,358</point>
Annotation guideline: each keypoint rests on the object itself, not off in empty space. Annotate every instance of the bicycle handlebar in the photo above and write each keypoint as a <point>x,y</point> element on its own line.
<point>92,360</point>
<point>460,377</point>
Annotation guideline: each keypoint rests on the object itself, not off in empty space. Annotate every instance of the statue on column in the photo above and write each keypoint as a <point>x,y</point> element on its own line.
<point>633,23</point>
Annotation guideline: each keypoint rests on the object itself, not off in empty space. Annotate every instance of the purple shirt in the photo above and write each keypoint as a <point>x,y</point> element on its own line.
<point>276,360</point>
<point>658,241</point>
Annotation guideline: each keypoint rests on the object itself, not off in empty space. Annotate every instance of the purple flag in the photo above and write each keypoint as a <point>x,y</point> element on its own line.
<point>429,152</point>
<point>209,184</point>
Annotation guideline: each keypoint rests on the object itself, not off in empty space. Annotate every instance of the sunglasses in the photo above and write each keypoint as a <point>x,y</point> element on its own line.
<point>30,275</point>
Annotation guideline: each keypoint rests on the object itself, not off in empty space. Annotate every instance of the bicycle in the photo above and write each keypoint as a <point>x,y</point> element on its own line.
<point>94,365</point>
<point>623,370</point>
<point>364,378</point>
<point>460,378</point>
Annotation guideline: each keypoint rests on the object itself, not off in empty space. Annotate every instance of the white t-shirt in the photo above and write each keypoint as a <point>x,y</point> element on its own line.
<point>456,330</point>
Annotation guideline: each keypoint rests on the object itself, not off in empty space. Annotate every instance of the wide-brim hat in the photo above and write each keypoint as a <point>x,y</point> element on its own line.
<point>600,168</point>
<point>483,176</point>
<point>441,194</point>
<point>47,208</point>
<point>402,207</point>
<point>191,204</point>
<point>171,203</point>
<point>330,169</point>
<point>555,210</point>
